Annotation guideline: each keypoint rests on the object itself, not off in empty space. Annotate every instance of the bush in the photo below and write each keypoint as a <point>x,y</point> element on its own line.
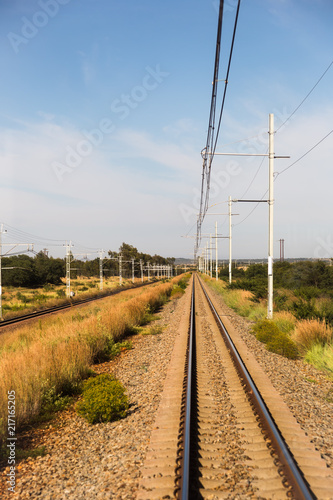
<point>177,291</point>
<point>104,400</point>
<point>267,332</point>
<point>283,345</point>
<point>281,300</point>
<point>183,282</point>
<point>307,292</point>
<point>305,309</point>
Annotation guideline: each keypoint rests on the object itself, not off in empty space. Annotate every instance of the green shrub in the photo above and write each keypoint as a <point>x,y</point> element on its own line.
<point>305,309</point>
<point>104,400</point>
<point>281,300</point>
<point>177,291</point>
<point>283,345</point>
<point>265,330</point>
<point>53,401</point>
<point>307,292</point>
<point>182,283</point>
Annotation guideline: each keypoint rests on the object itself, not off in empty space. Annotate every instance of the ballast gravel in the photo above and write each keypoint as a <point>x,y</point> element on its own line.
<point>103,461</point>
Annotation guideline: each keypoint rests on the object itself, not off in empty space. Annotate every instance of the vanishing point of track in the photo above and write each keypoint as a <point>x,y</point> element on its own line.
<point>222,430</point>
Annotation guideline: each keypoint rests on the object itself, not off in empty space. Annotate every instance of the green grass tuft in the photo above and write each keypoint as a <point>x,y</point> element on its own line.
<point>321,356</point>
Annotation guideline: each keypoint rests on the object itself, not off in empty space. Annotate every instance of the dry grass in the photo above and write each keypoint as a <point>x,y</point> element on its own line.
<point>55,353</point>
<point>285,321</point>
<point>19,300</point>
<point>310,332</point>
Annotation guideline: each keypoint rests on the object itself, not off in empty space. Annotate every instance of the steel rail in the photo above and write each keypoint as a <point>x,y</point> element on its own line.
<point>299,485</point>
<point>182,490</point>
<point>68,305</point>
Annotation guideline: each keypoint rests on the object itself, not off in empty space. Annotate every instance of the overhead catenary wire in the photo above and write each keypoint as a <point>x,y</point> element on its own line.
<point>301,157</point>
<point>19,235</point>
<point>212,135</point>
<point>305,98</point>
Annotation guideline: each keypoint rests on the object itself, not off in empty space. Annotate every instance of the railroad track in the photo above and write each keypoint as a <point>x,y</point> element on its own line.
<point>222,430</point>
<point>68,305</point>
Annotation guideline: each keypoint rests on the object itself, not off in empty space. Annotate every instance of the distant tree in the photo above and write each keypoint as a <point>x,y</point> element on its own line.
<point>18,270</point>
<point>48,270</point>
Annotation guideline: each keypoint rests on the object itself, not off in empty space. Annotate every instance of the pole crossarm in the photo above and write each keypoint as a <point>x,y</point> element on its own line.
<point>246,154</point>
<point>249,201</point>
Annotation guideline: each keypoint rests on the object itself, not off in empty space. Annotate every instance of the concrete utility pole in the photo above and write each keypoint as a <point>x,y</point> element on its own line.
<point>270,217</point>
<point>101,269</point>
<point>68,268</point>
<point>1,231</point>
<point>148,271</point>
<point>270,201</point>
<point>230,242</point>
<point>216,257</point>
<point>211,255</point>
<point>207,265</point>
<point>141,269</point>
<point>120,269</point>
<point>132,270</point>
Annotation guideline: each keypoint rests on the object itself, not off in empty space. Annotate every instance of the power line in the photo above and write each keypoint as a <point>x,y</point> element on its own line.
<point>305,98</point>
<point>18,234</point>
<point>212,137</point>
<point>295,110</point>
<point>309,151</point>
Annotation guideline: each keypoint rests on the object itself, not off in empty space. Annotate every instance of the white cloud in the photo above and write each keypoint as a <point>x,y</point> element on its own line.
<point>104,195</point>
<point>136,144</point>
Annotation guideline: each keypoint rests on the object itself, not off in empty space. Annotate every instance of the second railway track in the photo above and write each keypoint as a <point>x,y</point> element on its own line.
<point>67,305</point>
<point>210,438</point>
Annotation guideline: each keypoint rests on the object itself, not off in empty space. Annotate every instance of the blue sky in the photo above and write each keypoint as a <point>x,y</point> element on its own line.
<point>105,108</point>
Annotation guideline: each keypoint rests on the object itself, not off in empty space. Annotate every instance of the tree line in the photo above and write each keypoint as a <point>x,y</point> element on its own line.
<point>26,271</point>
